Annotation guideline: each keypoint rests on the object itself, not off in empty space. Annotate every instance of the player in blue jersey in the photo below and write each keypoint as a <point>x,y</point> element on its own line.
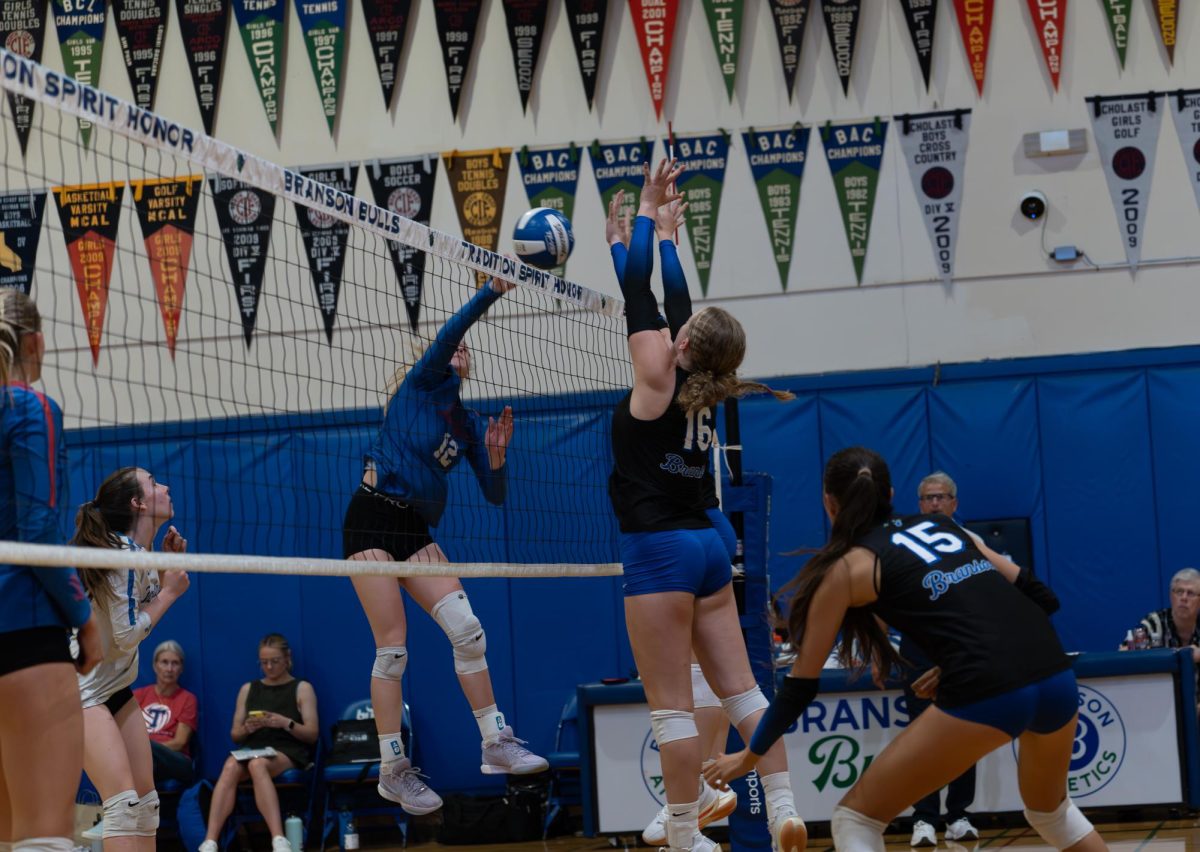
<point>41,723</point>
<point>426,432</point>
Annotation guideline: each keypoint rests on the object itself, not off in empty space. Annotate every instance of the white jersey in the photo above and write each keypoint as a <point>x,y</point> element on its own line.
<point>123,626</point>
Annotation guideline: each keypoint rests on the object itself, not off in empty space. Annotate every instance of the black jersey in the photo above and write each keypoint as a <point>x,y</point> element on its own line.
<point>936,587</point>
<point>660,478</point>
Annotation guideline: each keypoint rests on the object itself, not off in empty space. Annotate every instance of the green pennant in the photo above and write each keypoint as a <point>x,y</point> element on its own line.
<point>324,27</point>
<point>777,158</point>
<point>704,158</point>
<point>262,24</point>
<point>725,24</point>
<point>855,155</point>
<point>1116,12</point>
<point>81,36</point>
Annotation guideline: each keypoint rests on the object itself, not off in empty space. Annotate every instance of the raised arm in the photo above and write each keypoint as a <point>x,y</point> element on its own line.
<point>677,301</point>
<point>1022,578</point>
<point>434,365</point>
<point>488,454</point>
<point>616,233</point>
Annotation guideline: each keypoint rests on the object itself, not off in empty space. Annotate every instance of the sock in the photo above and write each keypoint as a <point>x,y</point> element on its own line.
<point>491,723</point>
<point>683,824</point>
<point>777,788</point>
<point>44,844</point>
<point>391,748</point>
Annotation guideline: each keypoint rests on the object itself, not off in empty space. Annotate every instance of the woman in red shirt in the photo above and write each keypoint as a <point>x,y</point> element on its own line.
<point>171,715</point>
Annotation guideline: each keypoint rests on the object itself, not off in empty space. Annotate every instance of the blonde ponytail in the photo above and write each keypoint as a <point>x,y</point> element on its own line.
<point>18,316</point>
<point>716,347</point>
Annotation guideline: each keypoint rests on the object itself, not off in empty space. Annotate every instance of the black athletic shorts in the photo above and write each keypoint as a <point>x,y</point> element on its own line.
<point>375,521</point>
<point>35,646</point>
<point>118,700</point>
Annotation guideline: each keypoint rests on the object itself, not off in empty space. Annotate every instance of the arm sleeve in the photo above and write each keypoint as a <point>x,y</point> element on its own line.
<point>494,483</point>
<point>791,699</point>
<point>129,624</point>
<point>677,302</point>
<point>1037,591</point>
<point>641,308</point>
<point>620,255</point>
<point>435,363</point>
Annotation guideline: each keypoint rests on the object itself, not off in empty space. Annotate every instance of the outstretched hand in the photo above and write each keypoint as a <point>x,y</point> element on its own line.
<point>659,186</point>
<point>669,218</point>
<point>726,767</point>
<point>501,285</point>
<point>616,226</point>
<point>499,433</point>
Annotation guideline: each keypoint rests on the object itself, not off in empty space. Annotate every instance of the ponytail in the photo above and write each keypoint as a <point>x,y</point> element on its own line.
<point>100,522</point>
<point>704,390</point>
<point>18,316</point>
<point>716,345</point>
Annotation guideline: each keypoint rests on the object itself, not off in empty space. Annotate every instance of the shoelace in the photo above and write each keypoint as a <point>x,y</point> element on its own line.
<point>513,746</point>
<point>411,778</point>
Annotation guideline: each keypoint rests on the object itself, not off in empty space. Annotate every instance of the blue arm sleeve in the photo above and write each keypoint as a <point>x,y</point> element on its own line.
<point>791,699</point>
<point>641,308</point>
<point>677,302</point>
<point>620,255</point>
<point>435,363</point>
<point>494,483</point>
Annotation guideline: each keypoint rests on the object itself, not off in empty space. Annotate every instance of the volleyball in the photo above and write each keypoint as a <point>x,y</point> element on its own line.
<point>543,238</point>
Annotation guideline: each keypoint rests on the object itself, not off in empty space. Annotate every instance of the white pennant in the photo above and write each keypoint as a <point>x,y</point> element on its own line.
<point>935,145</point>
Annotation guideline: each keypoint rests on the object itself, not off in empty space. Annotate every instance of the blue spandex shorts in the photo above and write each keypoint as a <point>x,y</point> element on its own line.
<point>1041,707</point>
<point>693,561</point>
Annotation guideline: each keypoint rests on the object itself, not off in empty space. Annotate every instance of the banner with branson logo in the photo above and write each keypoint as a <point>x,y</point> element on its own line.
<point>855,155</point>
<point>1049,21</point>
<point>204,24</point>
<point>323,23</point>
<point>1126,131</point>
<point>921,17</point>
<point>587,18</point>
<point>654,23</point>
<point>80,29</point>
<point>935,145</point>
<point>526,20</point>
<point>262,23</point>
<point>387,22</point>
<point>703,156</point>
<point>325,238</point>
<point>550,175</point>
<point>20,230</point>
<point>244,214</point>
<point>23,32</point>
<point>405,186</point>
<point>617,166</point>
<point>478,180</point>
<point>725,24</point>
<point>141,26</point>
<point>790,17</point>
<point>777,157</point>
<point>841,25</point>
<point>975,24</point>
<point>456,21</point>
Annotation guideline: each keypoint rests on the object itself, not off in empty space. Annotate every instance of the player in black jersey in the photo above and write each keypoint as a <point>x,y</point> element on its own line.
<point>677,570</point>
<point>978,616</point>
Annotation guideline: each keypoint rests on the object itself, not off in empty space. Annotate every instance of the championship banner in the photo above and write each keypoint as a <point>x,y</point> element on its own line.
<point>703,157</point>
<point>975,24</point>
<point>387,22</point>
<point>323,23</point>
<point>587,18</point>
<point>478,180</point>
<point>80,28</point>
<point>841,24</point>
<point>790,16</point>
<point>654,22</point>
<point>1167,12</point>
<point>617,166</point>
<point>204,24</point>
<point>550,175</point>
<point>855,155</point>
<point>777,157</point>
<point>456,24</point>
<point>1049,20</point>
<point>141,26</point>
<point>1116,12</point>
<point>1185,106</point>
<point>166,209</point>
<point>526,20</point>
<point>89,215</point>
<point>262,26</point>
<point>725,24</point>
<point>1126,131</point>
<point>406,188</point>
<point>921,17</point>
<point>935,146</point>
<point>20,228</point>
<point>244,214</point>
<point>23,32</point>
<point>325,239</point>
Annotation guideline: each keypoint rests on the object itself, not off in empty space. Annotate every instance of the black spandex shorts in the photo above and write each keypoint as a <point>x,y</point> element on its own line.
<point>375,521</point>
<point>118,700</point>
<point>35,646</point>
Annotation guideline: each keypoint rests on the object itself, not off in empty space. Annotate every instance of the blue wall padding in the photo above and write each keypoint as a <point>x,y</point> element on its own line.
<point>1174,440</point>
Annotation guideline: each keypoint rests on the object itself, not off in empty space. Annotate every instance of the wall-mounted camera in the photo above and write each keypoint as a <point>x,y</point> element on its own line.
<point>1033,205</point>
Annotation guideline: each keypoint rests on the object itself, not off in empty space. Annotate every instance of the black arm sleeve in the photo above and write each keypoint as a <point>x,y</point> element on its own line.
<point>1037,591</point>
<point>791,699</point>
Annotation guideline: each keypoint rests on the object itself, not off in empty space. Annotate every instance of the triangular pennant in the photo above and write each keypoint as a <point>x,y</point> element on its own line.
<point>81,37</point>
<point>457,21</point>
<point>166,209</point>
<point>20,230</point>
<point>855,155</point>
<point>262,25</point>
<point>89,215</point>
<point>526,20</point>
<point>405,187</point>
<point>587,18</point>
<point>921,17</point>
<point>1126,131</point>
<point>790,18</point>
<point>23,32</point>
<point>244,216</point>
<point>618,165</point>
<point>204,24</point>
<point>654,23</point>
<point>935,145</point>
<point>550,175</point>
<point>141,26</point>
<point>1049,20</point>
<point>1167,13</point>
<point>1185,106</point>
<point>387,22</point>
<point>725,24</point>
<point>777,156</point>
<point>323,23</point>
<point>1116,12</point>
<point>841,24</point>
<point>477,182</point>
<point>325,239</point>
<point>975,24</point>
<point>703,157</point>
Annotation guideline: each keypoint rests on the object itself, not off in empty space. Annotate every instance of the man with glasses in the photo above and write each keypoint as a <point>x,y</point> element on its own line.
<point>1175,626</point>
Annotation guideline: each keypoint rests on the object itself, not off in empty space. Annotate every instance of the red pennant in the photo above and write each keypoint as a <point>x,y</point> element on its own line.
<point>1049,17</point>
<point>89,216</point>
<point>975,22</point>
<point>654,21</point>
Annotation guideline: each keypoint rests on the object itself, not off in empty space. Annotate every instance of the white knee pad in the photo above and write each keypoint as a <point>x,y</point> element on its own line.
<point>854,832</point>
<point>1062,827</point>
<point>390,663</point>
<point>147,814</point>
<point>702,694</point>
<point>121,815</point>
<point>671,725</point>
<point>453,613</point>
<point>738,707</point>
<point>43,844</point>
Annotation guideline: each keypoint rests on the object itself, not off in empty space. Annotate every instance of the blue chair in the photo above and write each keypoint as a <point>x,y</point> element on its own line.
<point>350,787</point>
<point>298,794</point>
<point>565,783</point>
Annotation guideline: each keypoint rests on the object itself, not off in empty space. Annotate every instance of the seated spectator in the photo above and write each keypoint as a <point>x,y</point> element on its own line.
<point>171,716</point>
<point>1175,626</point>
<point>277,712</point>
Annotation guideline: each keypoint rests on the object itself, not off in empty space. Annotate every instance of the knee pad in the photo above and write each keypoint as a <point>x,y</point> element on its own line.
<point>1062,827</point>
<point>147,814</point>
<point>738,707</point>
<point>42,844</point>
<point>702,694</point>
<point>121,815</point>
<point>854,832</point>
<point>671,725</point>
<point>453,614</point>
<point>390,663</point>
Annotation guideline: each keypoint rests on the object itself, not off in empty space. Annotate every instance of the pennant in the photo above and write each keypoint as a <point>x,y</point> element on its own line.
<point>618,165</point>
<point>406,187</point>
<point>841,24</point>
<point>456,23</point>
<point>323,23</point>
<point>790,17</point>
<point>526,21</point>
<point>89,215</point>
<point>1049,20</point>
<point>387,22</point>
<point>975,23</point>
<point>550,175</point>
<point>20,229</point>
<point>1167,12</point>
<point>262,25</point>
<point>204,24</point>
<point>855,155</point>
<point>81,36</point>
<point>166,209</point>
<point>477,182</point>
<point>1185,106</point>
<point>1126,131</point>
<point>325,239</point>
<point>921,17</point>
<point>654,23</point>
<point>777,156</point>
<point>704,157</point>
<point>244,215</point>
<point>587,18</point>
<point>23,32</point>
<point>725,24</point>
<point>1116,12</point>
<point>935,145</point>
<point>141,26</point>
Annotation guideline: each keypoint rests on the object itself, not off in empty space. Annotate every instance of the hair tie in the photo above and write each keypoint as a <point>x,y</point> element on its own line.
<point>865,472</point>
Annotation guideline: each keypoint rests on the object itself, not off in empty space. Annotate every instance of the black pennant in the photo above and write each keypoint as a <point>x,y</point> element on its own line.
<point>921,16</point>
<point>141,26</point>
<point>587,19</point>
<point>244,214</point>
<point>526,21</point>
<point>325,240</point>
<point>790,16</point>
<point>387,21</point>
<point>20,229</point>
<point>406,187</point>
<point>841,24</point>
<point>23,31</point>
<point>456,24</point>
<point>204,25</point>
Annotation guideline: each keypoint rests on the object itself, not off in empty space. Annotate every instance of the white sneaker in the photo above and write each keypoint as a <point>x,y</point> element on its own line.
<point>700,843</point>
<point>209,846</point>
<point>788,833</point>
<point>717,807</point>
<point>279,843</point>
<point>923,834</point>
<point>96,832</point>
<point>961,829</point>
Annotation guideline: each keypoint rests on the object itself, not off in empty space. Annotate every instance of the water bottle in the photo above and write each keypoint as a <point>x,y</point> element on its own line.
<point>349,832</point>
<point>1141,638</point>
<point>294,829</point>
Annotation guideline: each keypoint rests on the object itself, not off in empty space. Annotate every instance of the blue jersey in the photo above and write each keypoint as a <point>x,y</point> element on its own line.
<point>33,477</point>
<point>427,430</point>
